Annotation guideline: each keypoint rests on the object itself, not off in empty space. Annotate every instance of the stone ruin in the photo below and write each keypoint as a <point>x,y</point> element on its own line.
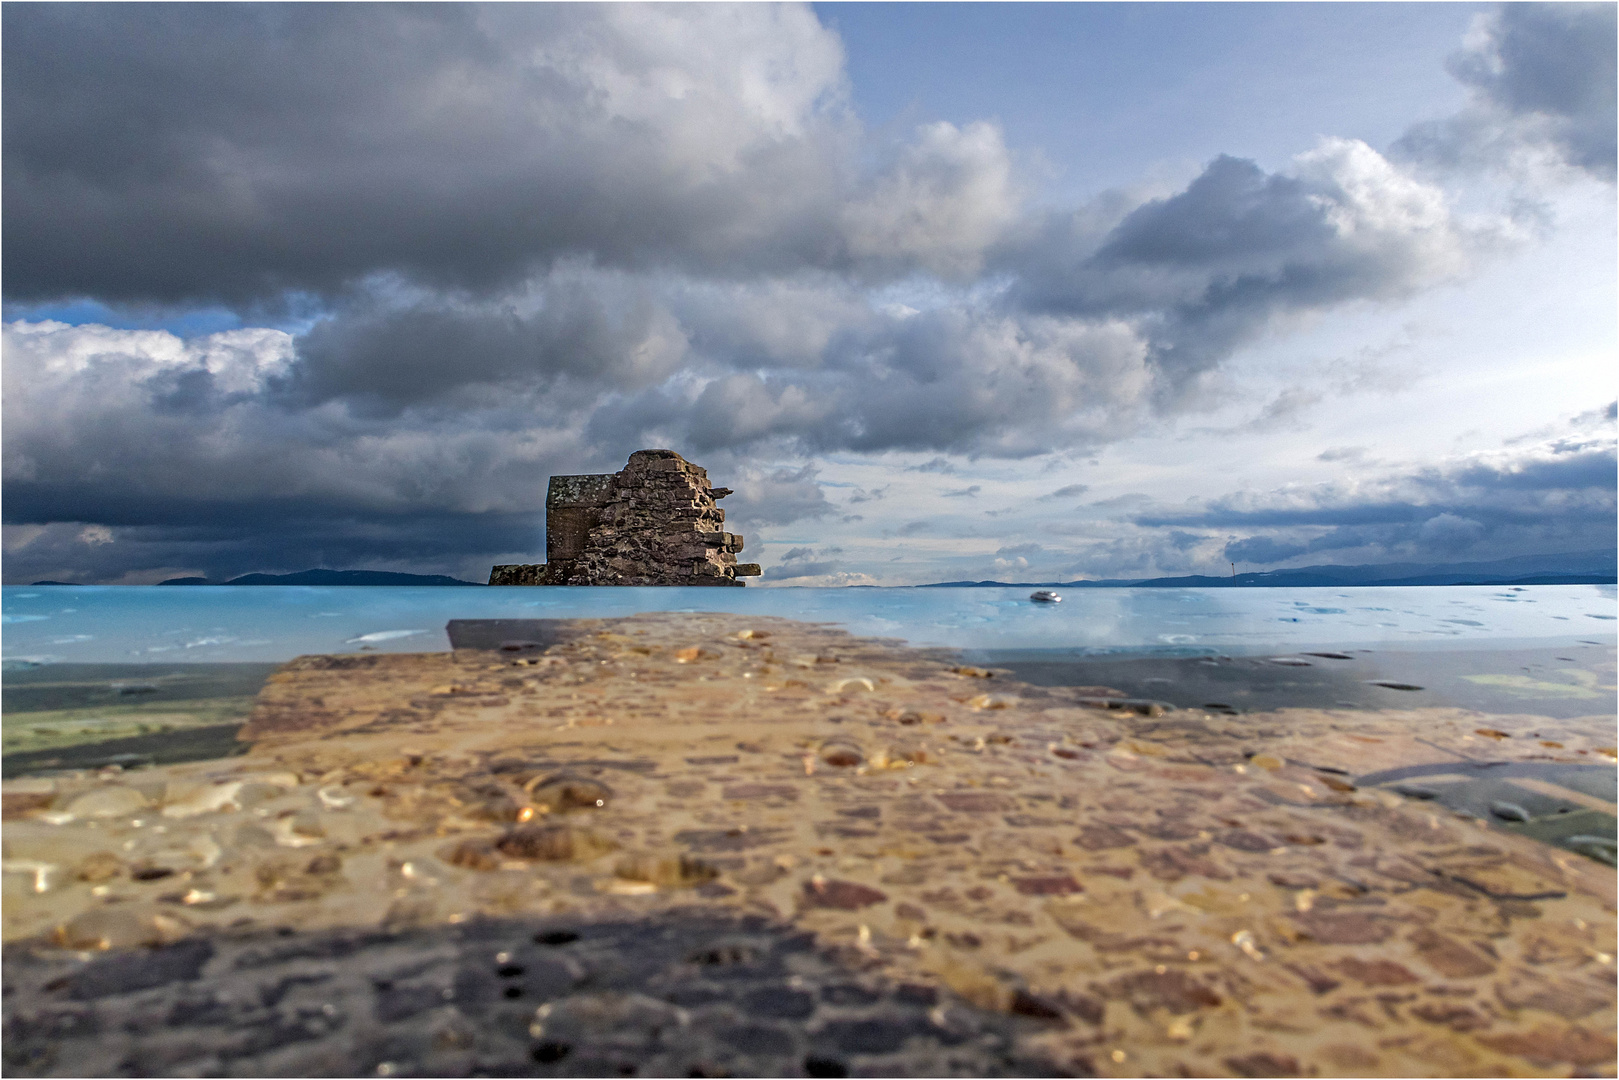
<point>656,522</point>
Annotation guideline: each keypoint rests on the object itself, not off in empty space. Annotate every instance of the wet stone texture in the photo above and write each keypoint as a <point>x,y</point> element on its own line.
<point>690,994</point>
<point>708,845</point>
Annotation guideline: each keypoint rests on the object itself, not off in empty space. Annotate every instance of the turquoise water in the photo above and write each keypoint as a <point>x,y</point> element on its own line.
<point>124,624</point>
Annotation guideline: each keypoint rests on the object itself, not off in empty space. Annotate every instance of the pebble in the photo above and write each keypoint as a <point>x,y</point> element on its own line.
<point>1601,848</point>
<point>842,895</point>
<point>1508,811</point>
<point>552,843</point>
<point>98,867</point>
<point>842,755</point>
<point>563,793</point>
<point>113,800</point>
<point>111,928</point>
<point>189,800</point>
<point>666,871</point>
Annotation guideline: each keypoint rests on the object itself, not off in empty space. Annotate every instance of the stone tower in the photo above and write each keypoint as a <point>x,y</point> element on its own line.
<point>656,522</point>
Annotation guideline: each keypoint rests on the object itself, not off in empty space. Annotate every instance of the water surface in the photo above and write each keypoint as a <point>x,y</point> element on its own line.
<point>112,624</point>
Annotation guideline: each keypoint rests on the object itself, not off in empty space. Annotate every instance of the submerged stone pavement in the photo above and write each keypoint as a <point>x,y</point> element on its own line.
<point>712,845</point>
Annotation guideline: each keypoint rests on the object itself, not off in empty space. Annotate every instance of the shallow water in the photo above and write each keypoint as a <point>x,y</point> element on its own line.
<point>111,624</point>
<point>153,675</point>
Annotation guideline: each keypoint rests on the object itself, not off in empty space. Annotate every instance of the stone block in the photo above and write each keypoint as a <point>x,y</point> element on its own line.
<point>518,574</point>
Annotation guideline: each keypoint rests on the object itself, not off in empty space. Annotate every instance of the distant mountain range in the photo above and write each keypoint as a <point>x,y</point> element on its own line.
<point>1574,568</point>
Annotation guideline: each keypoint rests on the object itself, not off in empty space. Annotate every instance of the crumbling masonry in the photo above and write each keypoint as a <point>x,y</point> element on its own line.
<point>654,523</point>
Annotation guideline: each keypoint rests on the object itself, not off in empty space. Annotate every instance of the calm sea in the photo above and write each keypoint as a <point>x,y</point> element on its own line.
<point>125,624</point>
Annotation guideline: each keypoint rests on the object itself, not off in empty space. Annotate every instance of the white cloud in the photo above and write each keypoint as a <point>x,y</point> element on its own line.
<point>940,207</point>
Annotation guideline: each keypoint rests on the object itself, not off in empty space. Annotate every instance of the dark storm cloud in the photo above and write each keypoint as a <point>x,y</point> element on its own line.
<point>1550,496</point>
<point>174,152</point>
<point>1542,75</point>
<point>460,545</point>
<point>245,152</point>
<point>605,330</point>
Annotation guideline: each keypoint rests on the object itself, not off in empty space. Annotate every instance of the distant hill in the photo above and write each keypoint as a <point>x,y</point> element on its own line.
<point>328,577</point>
<point>1573,568</point>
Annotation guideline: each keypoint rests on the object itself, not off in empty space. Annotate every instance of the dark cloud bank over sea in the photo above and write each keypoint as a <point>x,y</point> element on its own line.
<point>467,247</point>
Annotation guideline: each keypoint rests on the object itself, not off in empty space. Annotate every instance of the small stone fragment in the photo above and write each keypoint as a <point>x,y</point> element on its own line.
<point>113,800</point>
<point>1548,1045</point>
<point>1600,848</point>
<point>1243,840</point>
<point>1508,811</point>
<point>1376,972</point>
<point>552,843</point>
<point>1264,1064</point>
<point>472,854</point>
<point>1448,956</point>
<point>841,895</point>
<point>1174,863</point>
<point>1318,981</point>
<point>666,871</point>
<point>1567,997</point>
<point>192,799</point>
<point>761,791</point>
<point>1450,1014</point>
<point>1291,879</point>
<point>1100,837</point>
<point>1034,1005</point>
<point>1342,927</point>
<point>19,803</point>
<point>1170,989</point>
<point>99,866</point>
<point>563,793</point>
<point>977,802</point>
<point>842,755</point>
<point>1054,885</point>
<point>108,928</point>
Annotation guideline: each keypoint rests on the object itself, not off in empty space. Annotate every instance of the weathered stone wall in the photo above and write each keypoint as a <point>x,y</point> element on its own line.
<point>656,522</point>
<point>573,506</point>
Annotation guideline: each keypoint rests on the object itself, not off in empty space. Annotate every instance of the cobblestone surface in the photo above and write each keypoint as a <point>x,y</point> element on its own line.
<point>1122,891</point>
<point>691,994</point>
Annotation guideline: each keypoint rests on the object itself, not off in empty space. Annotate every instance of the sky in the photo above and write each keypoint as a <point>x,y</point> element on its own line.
<point>943,292</point>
